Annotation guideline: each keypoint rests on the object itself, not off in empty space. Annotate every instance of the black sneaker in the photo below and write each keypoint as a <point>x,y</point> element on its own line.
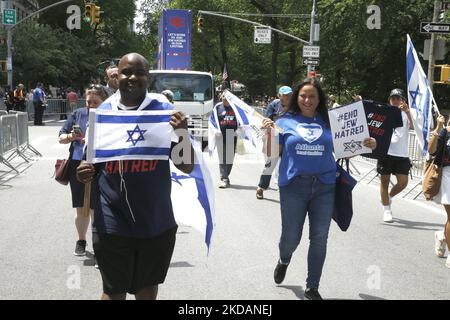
<point>312,294</point>
<point>95,263</point>
<point>80,248</point>
<point>280,272</point>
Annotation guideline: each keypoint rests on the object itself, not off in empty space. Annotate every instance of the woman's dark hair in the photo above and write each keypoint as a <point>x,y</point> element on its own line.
<point>321,108</point>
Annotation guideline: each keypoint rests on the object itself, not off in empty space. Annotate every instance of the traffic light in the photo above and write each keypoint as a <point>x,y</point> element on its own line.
<point>88,12</point>
<point>445,74</point>
<point>200,24</point>
<point>95,14</point>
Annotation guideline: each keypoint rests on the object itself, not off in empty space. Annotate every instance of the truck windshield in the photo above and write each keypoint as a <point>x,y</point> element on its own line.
<point>185,87</point>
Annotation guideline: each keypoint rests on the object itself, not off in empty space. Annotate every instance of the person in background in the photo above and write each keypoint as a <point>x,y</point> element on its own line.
<point>38,103</point>
<point>73,131</point>
<point>440,147</point>
<point>226,139</point>
<point>273,111</point>
<point>111,79</point>
<point>19,98</point>
<point>397,160</point>
<point>306,179</point>
<point>168,94</point>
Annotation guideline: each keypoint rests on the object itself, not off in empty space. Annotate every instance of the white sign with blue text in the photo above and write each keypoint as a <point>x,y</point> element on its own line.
<point>349,129</point>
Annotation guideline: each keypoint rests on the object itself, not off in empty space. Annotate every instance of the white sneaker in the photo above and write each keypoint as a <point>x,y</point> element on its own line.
<point>447,262</point>
<point>439,244</point>
<point>387,216</point>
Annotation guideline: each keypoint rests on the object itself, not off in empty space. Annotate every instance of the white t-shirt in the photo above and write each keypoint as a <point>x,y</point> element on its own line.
<point>399,140</point>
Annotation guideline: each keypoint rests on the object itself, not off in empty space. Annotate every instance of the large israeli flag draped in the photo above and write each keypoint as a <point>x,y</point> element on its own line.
<point>124,135</point>
<point>193,196</point>
<point>420,96</point>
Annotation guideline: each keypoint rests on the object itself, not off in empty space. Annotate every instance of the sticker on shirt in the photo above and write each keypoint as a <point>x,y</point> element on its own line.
<point>309,131</point>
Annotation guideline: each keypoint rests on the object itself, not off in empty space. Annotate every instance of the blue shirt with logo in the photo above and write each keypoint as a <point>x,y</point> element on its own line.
<point>307,149</point>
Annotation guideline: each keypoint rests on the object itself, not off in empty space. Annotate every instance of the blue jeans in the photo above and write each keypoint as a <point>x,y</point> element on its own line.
<point>306,194</point>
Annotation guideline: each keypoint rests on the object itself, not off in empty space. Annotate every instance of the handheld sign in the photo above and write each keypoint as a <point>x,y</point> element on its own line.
<point>349,129</point>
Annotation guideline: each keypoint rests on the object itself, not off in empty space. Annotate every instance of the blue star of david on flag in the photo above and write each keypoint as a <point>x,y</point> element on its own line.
<point>414,94</point>
<point>132,133</point>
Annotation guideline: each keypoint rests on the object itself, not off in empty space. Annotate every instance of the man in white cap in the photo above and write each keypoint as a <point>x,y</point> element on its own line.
<point>273,111</point>
<point>397,160</point>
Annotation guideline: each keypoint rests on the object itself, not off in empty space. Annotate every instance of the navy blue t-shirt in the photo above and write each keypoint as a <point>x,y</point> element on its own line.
<point>134,198</point>
<point>382,119</point>
<point>273,109</point>
<point>226,117</point>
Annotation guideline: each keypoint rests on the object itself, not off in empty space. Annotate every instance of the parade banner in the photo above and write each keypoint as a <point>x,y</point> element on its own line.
<point>349,129</point>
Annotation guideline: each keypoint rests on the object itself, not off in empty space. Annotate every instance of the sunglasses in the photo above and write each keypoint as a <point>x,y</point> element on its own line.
<point>97,87</point>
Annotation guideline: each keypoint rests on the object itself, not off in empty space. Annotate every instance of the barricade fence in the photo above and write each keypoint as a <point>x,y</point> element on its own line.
<point>416,157</point>
<point>14,138</point>
<point>56,107</point>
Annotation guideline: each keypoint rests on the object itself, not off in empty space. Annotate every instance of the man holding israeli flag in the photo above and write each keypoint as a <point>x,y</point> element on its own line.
<point>131,139</point>
<point>226,117</point>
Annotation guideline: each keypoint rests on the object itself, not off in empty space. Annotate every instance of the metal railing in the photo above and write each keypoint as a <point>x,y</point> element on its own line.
<point>416,157</point>
<point>56,107</point>
<point>14,138</point>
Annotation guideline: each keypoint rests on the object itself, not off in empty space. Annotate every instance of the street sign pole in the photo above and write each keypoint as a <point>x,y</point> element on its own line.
<point>9,58</point>
<point>431,56</point>
<point>311,32</point>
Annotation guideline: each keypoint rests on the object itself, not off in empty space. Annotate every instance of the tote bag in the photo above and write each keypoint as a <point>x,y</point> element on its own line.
<point>343,201</point>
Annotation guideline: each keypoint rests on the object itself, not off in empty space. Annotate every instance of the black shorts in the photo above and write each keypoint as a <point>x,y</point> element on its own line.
<point>393,165</point>
<point>128,265</point>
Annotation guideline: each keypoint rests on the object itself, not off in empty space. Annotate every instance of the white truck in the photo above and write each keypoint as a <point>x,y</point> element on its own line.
<point>193,94</point>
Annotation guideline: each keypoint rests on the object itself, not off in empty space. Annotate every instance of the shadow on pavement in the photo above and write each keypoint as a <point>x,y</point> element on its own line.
<point>416,225</point>
<point>298,290</point>
<point>181,264</point>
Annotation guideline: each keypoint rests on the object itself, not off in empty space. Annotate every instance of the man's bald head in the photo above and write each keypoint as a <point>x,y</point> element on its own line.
<point>133,79</point>
<point>136,57</point>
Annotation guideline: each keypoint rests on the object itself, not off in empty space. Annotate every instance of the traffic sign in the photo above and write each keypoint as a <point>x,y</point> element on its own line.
<point>431,27</point>
<point>263,35</point>
<point>9,16</point>
<point>311,62</point>
<point>311,51</point>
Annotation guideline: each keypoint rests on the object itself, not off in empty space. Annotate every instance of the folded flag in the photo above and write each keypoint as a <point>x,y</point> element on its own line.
<point>124,135</point>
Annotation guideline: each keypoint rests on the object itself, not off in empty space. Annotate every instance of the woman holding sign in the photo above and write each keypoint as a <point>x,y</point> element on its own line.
<point>306,180</point>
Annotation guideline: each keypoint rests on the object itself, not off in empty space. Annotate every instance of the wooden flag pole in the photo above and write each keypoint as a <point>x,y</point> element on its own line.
<point>87,199</point>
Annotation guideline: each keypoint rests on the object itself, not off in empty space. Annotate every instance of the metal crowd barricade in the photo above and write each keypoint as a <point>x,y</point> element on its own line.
<point>23,138</point>
<point>417,164</point>
<point>55,107</point>
<point>8,139</point>
<point>14,138</point>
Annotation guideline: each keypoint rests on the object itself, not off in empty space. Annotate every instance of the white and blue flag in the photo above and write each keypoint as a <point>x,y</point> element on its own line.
<point>124,135</point>
<point>420,97</point>
<point>193,196</point>
<point>248,119</point>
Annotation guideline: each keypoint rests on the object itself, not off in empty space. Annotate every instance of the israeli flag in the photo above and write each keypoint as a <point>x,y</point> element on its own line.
<point>124,135</point>
<point>420,96</point>
<point>193,196</point>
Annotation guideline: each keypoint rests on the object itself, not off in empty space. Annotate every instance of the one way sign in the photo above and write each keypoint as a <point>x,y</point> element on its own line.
<point>430,27</point>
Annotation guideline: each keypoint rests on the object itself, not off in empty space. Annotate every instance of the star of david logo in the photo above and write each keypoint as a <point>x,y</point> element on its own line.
<point>176,178</point>
<point>414,95</point>
<point>136,132</point>
<point>352,146</point>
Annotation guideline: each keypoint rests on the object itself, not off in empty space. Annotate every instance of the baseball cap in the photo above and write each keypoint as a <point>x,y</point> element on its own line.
<point>285,90</point>
<point>397,93</point>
